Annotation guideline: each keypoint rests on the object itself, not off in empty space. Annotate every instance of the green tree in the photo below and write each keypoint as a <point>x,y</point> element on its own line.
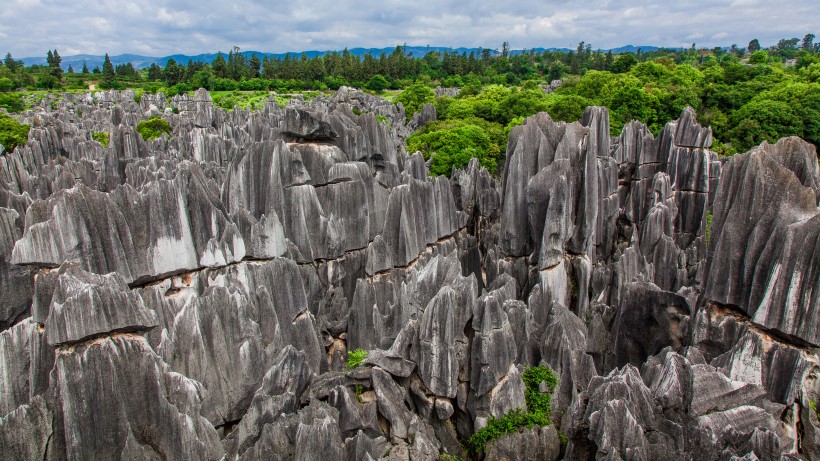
<point>759,57</point>
<point>85,68</point>
<point>153,128</point>
<point>808,42</point>
<point>109,75</point>
<point>255,66</point>
<point>452,145</point>
<point>11,64</point>
<point>624,62</point>
<point>12,133</point>
<point>173,73</point>
<point>154,72</point>
<point>763,120</point>
<point>414,97</point>
<point>12,102</point>
<point>377,83</point>
<point>54,62</point>
<point>6,84</point>
<point>754,46</point>
<point>220,66</point>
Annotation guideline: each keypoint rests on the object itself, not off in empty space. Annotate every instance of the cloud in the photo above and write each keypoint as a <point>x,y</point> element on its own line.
<point>163,27</point>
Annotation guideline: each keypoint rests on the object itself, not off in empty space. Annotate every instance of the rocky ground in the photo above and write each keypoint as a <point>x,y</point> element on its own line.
<point>195,297</point>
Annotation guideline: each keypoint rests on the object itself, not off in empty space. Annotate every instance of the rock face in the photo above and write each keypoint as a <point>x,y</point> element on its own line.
<point>196,296</point>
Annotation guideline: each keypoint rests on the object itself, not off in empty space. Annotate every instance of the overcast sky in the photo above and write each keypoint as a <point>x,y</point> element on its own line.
<point>163,27</point>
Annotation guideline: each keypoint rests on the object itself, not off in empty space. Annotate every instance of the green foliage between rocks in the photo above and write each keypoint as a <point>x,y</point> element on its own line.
<point>101,137</point>
<point>12,132</point>
<point>153,128</point>
<point>536,414</point>
<point>355,358</point>
<point>414,97</point>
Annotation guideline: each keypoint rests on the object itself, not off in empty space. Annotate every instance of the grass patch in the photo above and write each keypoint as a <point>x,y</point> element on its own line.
<point>245,100</point>
<point>536,414</point>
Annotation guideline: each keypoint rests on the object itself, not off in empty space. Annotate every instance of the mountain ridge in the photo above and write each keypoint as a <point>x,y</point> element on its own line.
<point>142,62</point>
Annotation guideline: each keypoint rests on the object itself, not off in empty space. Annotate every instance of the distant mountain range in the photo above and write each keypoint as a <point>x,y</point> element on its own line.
<point>141,62</point>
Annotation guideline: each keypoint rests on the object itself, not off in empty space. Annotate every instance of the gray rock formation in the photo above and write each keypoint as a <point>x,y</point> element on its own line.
<point>197,296</point>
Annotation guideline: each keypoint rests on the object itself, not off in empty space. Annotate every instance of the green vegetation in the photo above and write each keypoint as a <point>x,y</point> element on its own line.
<point>153,128</point>
<point>12,132</point>
<point>708,232</point>
<point>537,413</point>
<point>12,102</point>
<point>813,406</point>
<point>246,100</point>
<point>101,137</point>
<point>747,95</point>
<point>415,97</point>
<point>355,358</point>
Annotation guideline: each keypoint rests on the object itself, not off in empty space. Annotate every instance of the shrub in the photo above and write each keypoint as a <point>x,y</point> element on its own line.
<point>101,137</point>
<point>537,413</point>
<point>355,358</point>
<point>12,102</point>
<point>12,132</point>
<point>414,98</point>
<point>153,128</point>
<point>377,83</point>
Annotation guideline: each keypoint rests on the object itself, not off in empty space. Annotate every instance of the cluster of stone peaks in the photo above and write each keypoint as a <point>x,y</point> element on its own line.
<point>196,296</point>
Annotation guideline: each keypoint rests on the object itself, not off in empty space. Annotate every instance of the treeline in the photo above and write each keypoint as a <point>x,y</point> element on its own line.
<point>747,95</point>
<point>745,103</point>
<point>396,70</point>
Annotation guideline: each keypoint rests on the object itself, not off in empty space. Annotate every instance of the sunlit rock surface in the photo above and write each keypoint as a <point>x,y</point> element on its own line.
<point>196,296</point>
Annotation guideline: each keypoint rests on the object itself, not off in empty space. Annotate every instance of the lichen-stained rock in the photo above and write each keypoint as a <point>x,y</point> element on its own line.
<point>620,407</point>
<point>281,387</point>
<point>757,359</point>
<point>15,292</point>
<point>25,360</point>
<point>647,321</point>
<point>25,432</point>
<point>105,233</point>
<point>86,305</point>
<point>214,341</point>
<point>362,447</point>
<point>266,244</point>
<point>419,213</point>
<point>391,400</point>
<point>537,444</point>
<point>669,376</point>
<point>438,365</point>
<point>531,147</point>
<point>306,124</point>
<point>563,349</point>
<point>318,437</point>
<point>764,213</point>
<point>493,349</point>
<point>15,281</point>
<point>734,428</point>
<point>117,386</point>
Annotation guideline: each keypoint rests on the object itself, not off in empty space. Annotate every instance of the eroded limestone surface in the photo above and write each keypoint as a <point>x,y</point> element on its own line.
<point>195,296</point>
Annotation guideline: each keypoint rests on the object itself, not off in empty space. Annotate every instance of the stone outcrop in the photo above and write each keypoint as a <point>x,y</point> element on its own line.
<point>197,296</point>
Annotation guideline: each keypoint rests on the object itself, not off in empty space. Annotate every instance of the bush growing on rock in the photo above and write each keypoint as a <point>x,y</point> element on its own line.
<point>355,358</point>
<point>153,128</point>
<point>12,132</point>
<point>537,413</point>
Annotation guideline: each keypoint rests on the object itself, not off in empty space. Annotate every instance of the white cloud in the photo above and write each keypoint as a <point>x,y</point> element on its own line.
<point>162,27</point>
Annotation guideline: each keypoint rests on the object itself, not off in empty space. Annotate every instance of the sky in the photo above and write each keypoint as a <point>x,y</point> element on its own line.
<point>164,27</point>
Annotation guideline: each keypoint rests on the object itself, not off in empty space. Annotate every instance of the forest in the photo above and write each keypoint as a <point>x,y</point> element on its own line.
<point>747,95</point>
